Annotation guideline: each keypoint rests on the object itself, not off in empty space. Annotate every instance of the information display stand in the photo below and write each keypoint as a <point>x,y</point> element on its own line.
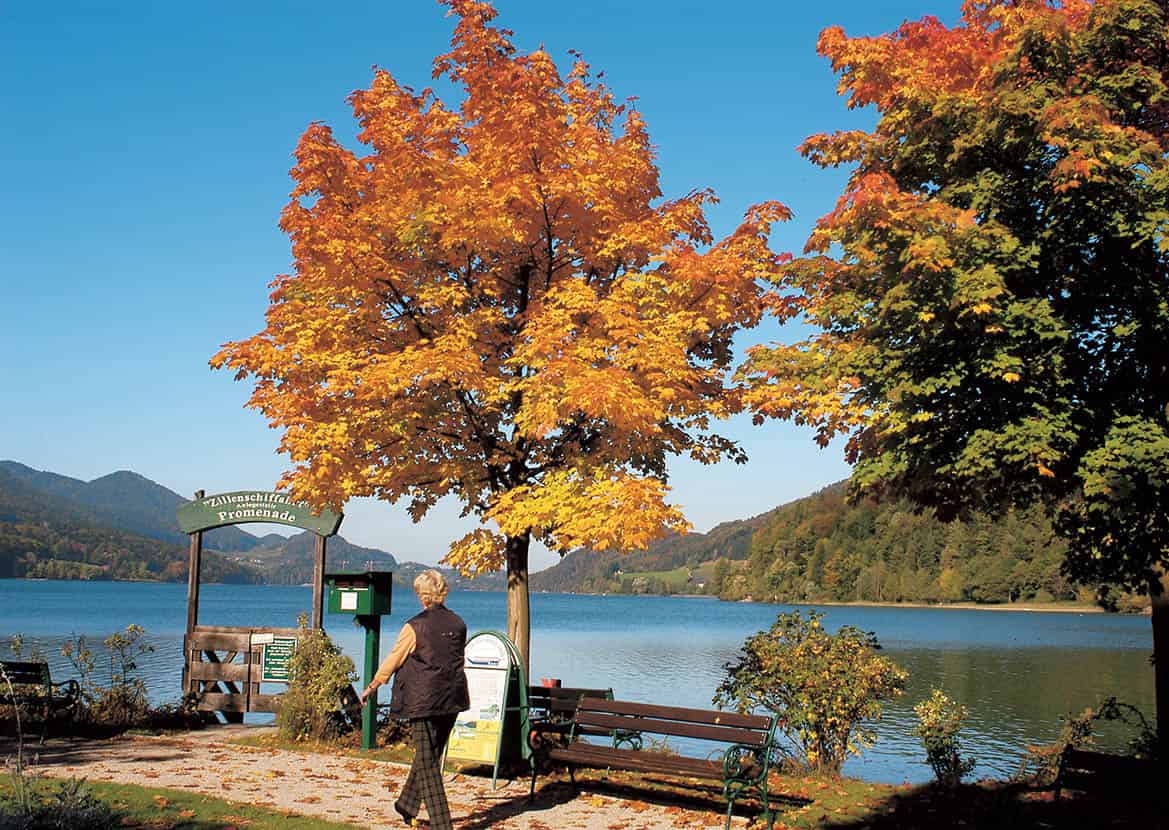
<point>492,731</point>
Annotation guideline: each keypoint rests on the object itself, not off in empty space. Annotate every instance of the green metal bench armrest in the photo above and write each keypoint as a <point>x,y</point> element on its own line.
<point>71,689</point>
<point>745,763</point>
<point>628,737</point>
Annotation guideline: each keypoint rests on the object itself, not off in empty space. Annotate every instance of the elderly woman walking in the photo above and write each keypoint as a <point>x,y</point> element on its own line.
<point>430,689</point>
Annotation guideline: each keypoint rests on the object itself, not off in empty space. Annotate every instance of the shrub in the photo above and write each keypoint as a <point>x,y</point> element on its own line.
<point>939,720</point>
<point>121,701</point>
<point>822,687</point>
<point>318,674</point>
<point>63,805</point>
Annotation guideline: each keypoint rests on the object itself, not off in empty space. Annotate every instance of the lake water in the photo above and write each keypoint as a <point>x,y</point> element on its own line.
<point>1017,672</point>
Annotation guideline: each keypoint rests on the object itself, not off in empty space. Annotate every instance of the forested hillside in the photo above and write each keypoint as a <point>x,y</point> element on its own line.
<point>616,572</point>
<point>46,537</point>
<point>823,548</point>
<point>124,500</point>
<point>121,526</point>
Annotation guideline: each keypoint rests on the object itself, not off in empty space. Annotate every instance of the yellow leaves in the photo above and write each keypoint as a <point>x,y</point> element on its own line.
<point>926,316</point>
<point>602,510</point>
<point>1012,377</point>
<point>982,308</point>
<point>1044,470</point>
<point>480,551</point>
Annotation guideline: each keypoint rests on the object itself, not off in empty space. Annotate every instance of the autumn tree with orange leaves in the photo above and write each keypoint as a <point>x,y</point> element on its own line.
<point>494,302</point>
<point>990,296</point>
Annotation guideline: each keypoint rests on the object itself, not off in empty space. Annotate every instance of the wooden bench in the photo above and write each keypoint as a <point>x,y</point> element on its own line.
<point>1087,771</point>
<point>30,686</point>
<point>742,770</point>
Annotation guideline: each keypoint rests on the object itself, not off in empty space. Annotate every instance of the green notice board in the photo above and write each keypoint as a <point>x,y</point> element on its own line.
<point>276,660</point>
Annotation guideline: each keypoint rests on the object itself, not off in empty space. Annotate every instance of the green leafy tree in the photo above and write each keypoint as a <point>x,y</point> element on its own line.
<point>995,328</point>
<point>822,687</point>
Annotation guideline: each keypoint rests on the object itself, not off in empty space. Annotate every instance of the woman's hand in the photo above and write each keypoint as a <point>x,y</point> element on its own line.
<point>365,694</point>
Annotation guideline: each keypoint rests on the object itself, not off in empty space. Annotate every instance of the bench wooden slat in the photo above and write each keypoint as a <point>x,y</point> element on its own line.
<point>704,732</point>
<point>562,700</point>
<point>640,760</point>
<point>675,713</point>
<point>25,674</point>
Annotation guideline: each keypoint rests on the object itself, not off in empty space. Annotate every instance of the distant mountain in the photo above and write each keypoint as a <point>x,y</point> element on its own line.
<point>405,573</point>
<point>604,571</point>
<point>130,502</point>
<point>50,536</point>
<point>124,526</point>
<point>290,561</point>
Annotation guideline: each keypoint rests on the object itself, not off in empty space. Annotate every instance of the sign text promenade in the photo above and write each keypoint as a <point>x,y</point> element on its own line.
<point>254,506</point>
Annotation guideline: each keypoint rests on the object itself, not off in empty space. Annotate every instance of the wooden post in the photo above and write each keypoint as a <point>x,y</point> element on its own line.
<point>194,563</point>
<point>319,583</point>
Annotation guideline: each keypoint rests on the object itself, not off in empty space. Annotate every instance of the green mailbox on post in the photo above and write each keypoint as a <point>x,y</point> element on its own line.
<point>367,596</point>
<point>360,594</point>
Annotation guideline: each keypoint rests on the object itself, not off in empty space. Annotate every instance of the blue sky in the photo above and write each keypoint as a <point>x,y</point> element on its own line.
<point>146,149</point>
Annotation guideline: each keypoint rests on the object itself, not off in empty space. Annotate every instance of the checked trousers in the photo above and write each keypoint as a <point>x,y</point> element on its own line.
<point>424,783</point>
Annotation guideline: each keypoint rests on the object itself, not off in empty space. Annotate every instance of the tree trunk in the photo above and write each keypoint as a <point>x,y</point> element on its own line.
<point>1160,598</point>
<point>519,621</point>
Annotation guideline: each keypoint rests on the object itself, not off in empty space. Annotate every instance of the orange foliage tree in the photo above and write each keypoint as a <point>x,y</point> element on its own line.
<point>495,303</point>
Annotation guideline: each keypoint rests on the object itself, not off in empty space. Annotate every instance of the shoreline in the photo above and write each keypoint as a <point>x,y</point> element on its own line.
<point>1033,607</point>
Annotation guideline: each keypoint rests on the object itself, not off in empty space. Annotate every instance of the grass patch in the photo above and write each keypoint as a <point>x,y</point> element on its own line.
<point>163,809</point>
<point>674,580</point>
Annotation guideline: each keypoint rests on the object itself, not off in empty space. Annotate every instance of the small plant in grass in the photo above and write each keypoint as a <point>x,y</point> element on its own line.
<point>318,674</point>
<point>939,720</point>
<point>822,687</point>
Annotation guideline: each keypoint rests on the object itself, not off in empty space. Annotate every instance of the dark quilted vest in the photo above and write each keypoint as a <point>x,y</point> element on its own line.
<point>431,682</point>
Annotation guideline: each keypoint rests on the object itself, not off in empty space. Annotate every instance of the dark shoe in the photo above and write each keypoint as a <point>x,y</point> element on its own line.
<point>406,817</point>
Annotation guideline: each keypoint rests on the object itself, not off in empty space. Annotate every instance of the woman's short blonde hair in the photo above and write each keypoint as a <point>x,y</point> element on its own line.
<point>431,588</point>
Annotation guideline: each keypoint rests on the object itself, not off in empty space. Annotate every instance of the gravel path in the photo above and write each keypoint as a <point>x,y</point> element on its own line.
<point>355,790</point>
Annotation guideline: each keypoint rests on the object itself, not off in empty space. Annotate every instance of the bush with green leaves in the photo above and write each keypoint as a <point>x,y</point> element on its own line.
<point>939,720</point>
<point>318,675</point>
<point>822,687</point>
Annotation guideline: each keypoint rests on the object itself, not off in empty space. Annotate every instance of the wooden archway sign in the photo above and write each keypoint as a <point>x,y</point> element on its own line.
<point>214,674</point>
